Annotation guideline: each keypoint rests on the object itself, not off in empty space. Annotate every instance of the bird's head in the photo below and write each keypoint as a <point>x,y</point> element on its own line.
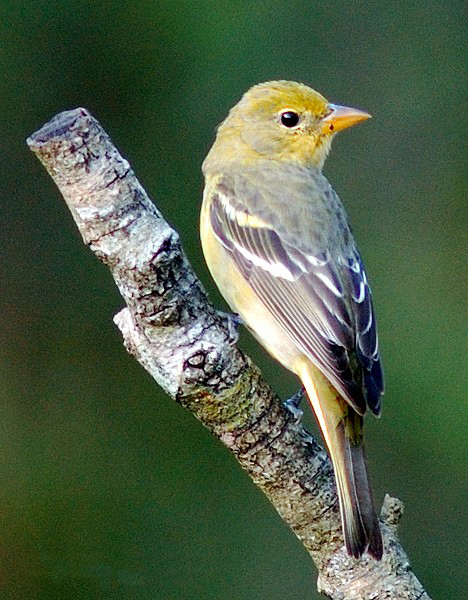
<point>284,121</point>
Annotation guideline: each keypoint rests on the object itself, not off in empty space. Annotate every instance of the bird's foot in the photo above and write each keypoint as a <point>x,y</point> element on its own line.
<point>233,322</point>
<point>292,405</point>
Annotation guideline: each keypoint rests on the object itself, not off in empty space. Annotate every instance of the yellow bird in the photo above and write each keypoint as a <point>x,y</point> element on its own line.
<point>277,242</point>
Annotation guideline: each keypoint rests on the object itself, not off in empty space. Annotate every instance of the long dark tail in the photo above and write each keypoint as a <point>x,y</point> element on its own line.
<point>360,524</point>
<point>342,429</point>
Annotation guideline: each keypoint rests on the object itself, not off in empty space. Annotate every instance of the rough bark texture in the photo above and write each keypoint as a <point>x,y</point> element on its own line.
<point>189,348</point>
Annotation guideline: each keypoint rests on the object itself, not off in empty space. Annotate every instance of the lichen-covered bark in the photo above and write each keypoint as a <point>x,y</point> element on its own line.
<point>190,349</point>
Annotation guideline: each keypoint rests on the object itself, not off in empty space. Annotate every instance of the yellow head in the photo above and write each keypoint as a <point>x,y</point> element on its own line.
<point>283,121</point>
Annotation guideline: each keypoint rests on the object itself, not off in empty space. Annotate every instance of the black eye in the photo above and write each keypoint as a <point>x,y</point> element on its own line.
<point>289,118</point>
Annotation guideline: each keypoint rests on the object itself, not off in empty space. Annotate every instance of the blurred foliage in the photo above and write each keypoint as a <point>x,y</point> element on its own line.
<point>111,490</point>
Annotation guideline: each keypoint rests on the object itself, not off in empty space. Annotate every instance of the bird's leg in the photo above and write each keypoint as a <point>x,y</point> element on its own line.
<point>236,319</point>
<point>292,405</point>
<point>233,322</point>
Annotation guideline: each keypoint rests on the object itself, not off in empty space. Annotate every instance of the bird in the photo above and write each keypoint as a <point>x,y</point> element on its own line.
<point>277,242</point>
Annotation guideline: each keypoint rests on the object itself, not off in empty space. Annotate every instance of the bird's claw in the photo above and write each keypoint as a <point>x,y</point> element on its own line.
<point>233,321</point>
<point>292,405</point>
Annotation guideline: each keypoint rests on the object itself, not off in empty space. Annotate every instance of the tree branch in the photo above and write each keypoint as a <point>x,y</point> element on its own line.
<point>189,348</point>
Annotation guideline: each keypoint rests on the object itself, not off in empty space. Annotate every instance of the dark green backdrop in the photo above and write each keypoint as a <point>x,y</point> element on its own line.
<point>108,488</point>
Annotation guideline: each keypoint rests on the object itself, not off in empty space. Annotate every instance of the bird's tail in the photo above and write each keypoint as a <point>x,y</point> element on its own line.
<point>342,429</point>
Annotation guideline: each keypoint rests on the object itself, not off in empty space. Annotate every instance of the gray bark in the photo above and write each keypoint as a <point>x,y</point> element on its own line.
<point>190,349</point>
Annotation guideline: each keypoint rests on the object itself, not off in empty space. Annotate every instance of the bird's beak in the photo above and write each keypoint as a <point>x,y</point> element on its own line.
<point>341,117</point>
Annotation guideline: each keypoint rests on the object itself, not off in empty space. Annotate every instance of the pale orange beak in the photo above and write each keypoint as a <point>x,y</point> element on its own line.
<point>341,117</point>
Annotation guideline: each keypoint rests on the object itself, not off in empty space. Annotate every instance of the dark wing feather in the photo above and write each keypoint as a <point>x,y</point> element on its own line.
<point>367,344</point>
<point>324,305</point>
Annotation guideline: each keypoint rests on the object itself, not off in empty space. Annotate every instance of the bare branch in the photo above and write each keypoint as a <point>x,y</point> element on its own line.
<point>189,348</point>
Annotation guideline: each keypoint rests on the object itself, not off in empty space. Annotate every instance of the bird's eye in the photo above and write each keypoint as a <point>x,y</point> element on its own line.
<point>289,118</point>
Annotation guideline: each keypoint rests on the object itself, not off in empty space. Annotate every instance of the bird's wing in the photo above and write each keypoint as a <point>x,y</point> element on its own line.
<point>323,304</point>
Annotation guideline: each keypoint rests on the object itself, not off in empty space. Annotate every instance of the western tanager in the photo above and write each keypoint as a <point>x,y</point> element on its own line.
<point>278,244</point>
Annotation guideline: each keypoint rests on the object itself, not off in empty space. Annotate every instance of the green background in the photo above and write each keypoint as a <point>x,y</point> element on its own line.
<point>108,488</point>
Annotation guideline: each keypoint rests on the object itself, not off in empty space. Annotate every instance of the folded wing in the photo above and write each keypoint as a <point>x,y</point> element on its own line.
<point>323,304</point>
